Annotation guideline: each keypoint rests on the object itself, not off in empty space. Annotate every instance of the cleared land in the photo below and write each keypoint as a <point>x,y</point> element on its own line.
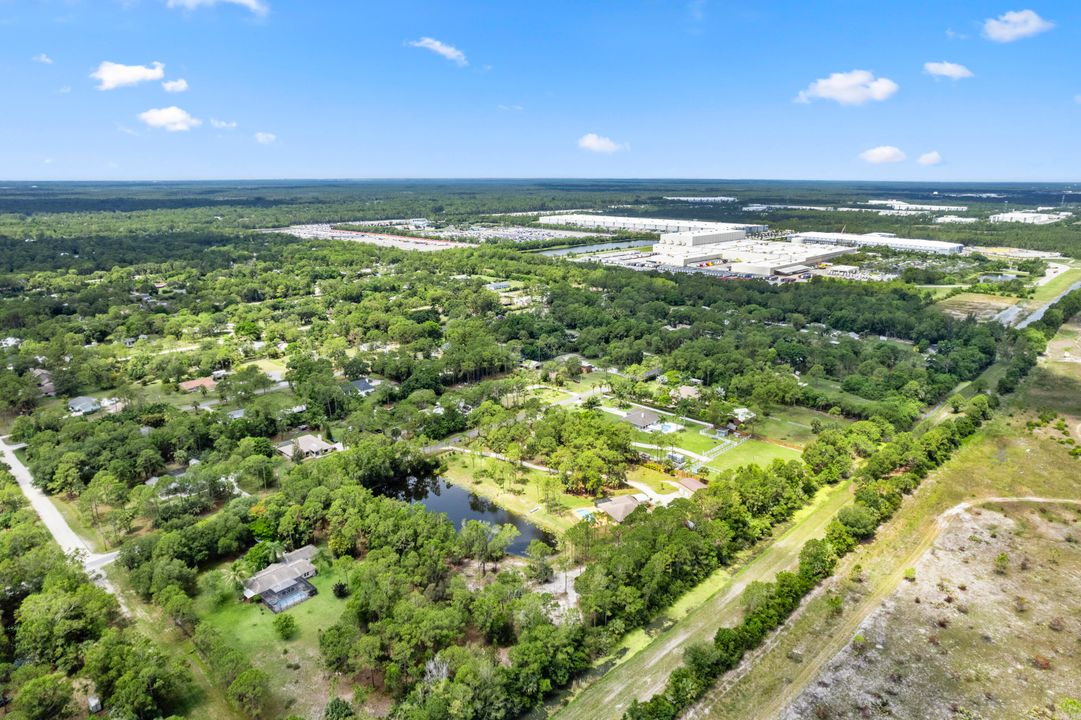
<point>965,633</point>
<point>979,305</point>
<point>641,665</point>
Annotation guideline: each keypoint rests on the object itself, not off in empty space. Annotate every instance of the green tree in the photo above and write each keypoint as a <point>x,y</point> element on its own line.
<point>48,697</point>
<point>250,691</point>
<point>285,625</point>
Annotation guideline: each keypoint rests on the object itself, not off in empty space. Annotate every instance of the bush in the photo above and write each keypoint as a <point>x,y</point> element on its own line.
<point>285,625</point>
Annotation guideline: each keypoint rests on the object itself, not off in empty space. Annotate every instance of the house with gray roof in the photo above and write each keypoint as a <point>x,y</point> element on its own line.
<point>284,584</point>
<point>83,405</point>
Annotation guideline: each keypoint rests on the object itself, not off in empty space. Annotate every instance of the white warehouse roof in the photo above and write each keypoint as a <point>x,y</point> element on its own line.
<point>878,239</point>
<point>661,225</point>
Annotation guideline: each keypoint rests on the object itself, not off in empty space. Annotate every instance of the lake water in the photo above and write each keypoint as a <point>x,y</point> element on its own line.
<point>618,245</point>
<point>459,505</point>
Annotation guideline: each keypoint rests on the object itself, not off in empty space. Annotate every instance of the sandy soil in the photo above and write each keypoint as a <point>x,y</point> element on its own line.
<point>964,640</point>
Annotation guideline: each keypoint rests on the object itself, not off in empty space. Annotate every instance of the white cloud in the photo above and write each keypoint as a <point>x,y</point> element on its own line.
<point>64,89</point>
<point>882,154</point>
<point>222,124</point>
<point>256,6</point>
<point>511,108</point>
<point>175,86</point>
<point>112,75</point>
<point>171,119</point>
<point>1014,25</point>
<point>599,143</point>
<point>265,138</point>
<point>954,35</point>
<point>849,88</point>
<point>450,52</point>
<point>954,71</point>
<point>930,158</point>
<point>43,59</point>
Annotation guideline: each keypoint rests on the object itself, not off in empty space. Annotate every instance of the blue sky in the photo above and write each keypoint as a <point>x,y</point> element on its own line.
<point>467,88</point>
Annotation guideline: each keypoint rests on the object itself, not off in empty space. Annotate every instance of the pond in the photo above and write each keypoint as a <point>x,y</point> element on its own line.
<point>579,249</point>
<point>459,505</point>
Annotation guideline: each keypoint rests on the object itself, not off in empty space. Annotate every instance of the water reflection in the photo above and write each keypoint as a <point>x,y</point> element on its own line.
<point>459,505</point>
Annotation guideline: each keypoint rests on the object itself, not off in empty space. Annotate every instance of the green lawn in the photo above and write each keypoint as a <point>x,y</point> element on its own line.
<point>588,381</point>
<point>752,452</point>
<point>303,690</point>
<point>792,425</point>
<point>659,482</point>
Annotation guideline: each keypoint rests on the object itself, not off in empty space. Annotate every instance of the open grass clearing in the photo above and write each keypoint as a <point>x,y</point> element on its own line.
<point>953,636</point>
<point>752,452</point>
<point>792,425</point>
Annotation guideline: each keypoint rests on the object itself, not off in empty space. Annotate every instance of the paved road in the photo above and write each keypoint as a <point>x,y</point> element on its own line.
<point>68,540</point>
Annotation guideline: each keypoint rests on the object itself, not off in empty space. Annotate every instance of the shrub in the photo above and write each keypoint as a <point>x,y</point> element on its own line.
<point>285,625</point>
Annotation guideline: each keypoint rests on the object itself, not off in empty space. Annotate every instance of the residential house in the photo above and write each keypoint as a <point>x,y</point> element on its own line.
<point>309,446</point>
<point>361,386</point>
<point>619,507</point>
<point>83,405</point>
<point>688,486</point>
<point>284,584</point>
<point>190,386</point>
<point>45,381</point>
<point>642,418</point>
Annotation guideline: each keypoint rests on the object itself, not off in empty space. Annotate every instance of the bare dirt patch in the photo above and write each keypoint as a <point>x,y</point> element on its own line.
<point>989,628</point>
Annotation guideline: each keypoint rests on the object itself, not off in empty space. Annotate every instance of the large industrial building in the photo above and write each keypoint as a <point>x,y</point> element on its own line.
<point>733,251</point>
<point>1029,217</point>
<point>880,240</point>
<point>657,225</point>
<point>902,205</point>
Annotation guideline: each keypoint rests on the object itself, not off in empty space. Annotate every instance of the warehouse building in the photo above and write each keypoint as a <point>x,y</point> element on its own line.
<point>657,225</point>
<point>731,250</point>
<point>880,240</point>
<point>1028,217</point>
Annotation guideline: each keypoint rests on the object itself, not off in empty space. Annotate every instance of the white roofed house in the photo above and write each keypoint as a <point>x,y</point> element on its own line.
<point>309,446</point>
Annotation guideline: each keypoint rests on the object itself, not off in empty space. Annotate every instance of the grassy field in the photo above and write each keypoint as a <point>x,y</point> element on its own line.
<point>588,381</point>
<point>302,690</point>
<point>792,425</point>
<point>752,452</point>
<point>641,664</point>
<point>524,499</point>
<point>1003,459</point>
<point>660,482</point>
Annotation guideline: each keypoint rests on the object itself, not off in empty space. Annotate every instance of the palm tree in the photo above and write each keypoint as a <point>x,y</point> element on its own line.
<point>275,548</point>
<point>236,574</point>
